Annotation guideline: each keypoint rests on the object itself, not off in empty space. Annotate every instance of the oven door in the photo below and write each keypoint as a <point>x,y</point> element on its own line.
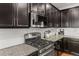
<point>50,52</point>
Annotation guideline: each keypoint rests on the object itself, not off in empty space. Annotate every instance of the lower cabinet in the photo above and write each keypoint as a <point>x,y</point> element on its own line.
<point>65,43</point>
<point>71,45</point>
<point>59,45</point>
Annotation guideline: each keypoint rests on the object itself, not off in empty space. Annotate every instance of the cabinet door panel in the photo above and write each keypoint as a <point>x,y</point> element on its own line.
<point>70,17</point>
<point>53,16</point>
<point>65,18</point>
<point>71,44</point>
<point>22,14</point>
<point>6,14</point>
<point>41,9</point>
<point>49,14</point>
<point>75,17</point>
<point>34,7</point>
<point>65,44</point>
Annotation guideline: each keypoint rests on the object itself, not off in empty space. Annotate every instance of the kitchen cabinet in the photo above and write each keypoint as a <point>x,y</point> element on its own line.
<point>59,45</point>
<point>53,16</point>
<point>75,17</point>
<point>38,14</point>
<point>65,43</point>
<point>6,14</point>
<point>41,9</point>
<point>38,8</point>
<point>70,18</point>
<point>14,15</point>
<point>50,14</point>
<point>65,20</point>
<point>22,16</point>
<point>71,45</point>
<point>34,7</point>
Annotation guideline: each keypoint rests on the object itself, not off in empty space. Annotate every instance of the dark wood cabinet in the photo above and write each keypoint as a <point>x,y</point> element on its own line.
<point>38,8</point>
<point>59,45</point>
<point>47,10</point>
<point>70,18</point>
<point>14,15</point>
<point>6,14</point>
<point>48,15</point>
<point>38,14</point>
<point>41,9</point>
<point>71,45</point>
<point>53,16</point>
<point>75,17</point>
<point>65,43</point>
<point>65,18</point>
<point>19,14</point>
<point>34,7</point>
<point>22,15</point>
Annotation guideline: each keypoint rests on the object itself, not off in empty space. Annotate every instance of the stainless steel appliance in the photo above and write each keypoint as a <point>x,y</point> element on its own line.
<point>45,48</point>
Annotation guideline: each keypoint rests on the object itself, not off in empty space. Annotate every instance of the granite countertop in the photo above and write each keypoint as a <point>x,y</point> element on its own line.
<point>54,38</point>
<point>18,50</point>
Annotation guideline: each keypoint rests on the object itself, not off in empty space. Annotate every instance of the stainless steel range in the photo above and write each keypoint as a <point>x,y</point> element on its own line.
<point>45,47</point>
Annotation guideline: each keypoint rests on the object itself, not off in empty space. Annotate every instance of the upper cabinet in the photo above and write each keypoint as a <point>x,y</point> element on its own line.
<point>53,16</point>
<point>44,15</point>
<point>14,15</point>
<point>70,18</point>
<point>38,16</point>
<point>38,8</point>
<point>65,22</point>
<point>22,19</point>
<point>6,14</point>
<point>41,9</point>
<point>29,14</point>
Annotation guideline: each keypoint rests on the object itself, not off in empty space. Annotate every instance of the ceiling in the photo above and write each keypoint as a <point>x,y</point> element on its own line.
<point>62,6</point>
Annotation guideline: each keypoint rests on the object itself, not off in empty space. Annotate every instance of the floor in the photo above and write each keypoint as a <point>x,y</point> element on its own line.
<point>60,53</point>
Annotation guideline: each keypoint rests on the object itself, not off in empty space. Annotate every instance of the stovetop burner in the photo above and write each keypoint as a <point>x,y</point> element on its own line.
<point>40,43</point>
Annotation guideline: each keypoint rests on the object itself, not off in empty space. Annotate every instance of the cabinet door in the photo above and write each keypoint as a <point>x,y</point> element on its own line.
<point>65,18</point>
<point>22,15</point>
<point>53,16</point>
<point>59,45</point>
<point>70,17</point>
<point>41,9</point>
<point>6,15</point>
<point>56,18</point>
<point>65,43</point>
<point>74,17</point>
<point>49,15</point>
<point>73,45</point>
<point>34,7</point>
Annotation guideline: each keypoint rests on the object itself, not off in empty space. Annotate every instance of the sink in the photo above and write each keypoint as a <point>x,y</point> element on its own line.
<point>32,35</point>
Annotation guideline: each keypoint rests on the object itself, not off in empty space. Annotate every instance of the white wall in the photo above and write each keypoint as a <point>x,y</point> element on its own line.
<point>11,37</point>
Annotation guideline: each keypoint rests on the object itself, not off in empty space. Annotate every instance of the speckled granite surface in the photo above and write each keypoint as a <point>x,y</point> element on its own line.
<point>18,50</point>
<point>54,38</point>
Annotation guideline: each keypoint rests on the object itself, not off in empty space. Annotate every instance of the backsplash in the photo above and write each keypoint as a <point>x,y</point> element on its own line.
<point>71,31</point>
<point>11,37</point>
